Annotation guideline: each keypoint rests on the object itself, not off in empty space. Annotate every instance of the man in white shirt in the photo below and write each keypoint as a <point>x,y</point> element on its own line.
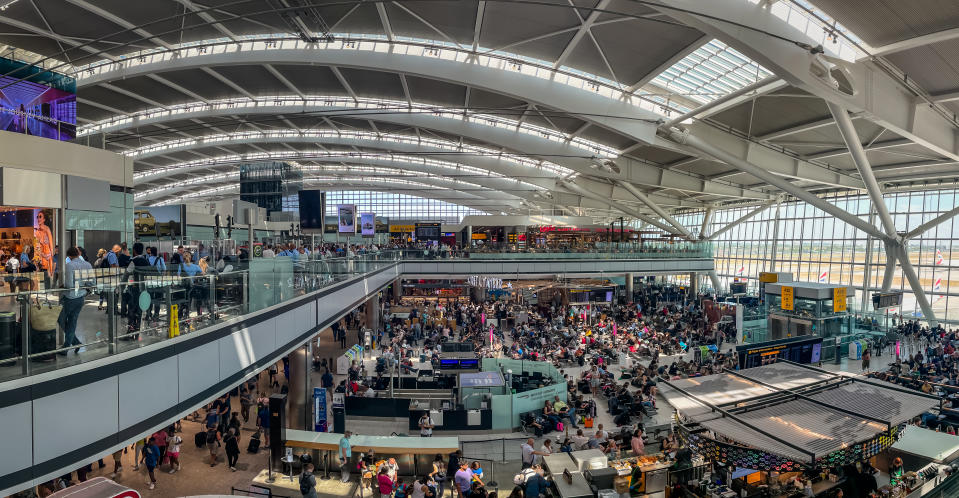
<point>426,425</point>
<point>529,453</point>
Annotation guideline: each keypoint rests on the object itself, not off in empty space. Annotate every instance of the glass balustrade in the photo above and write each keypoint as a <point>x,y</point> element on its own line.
<point>112,311</point>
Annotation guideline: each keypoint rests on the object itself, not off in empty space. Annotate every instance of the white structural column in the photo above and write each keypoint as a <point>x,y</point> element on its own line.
<point>867,271</point>
<point>776,181</point>
<point>771,267</point>
<point>656,209</point>
<point>629,287</point>
<point>715,280</point>
<point>910,274</point>
<point>890,267</point>
<point>851,138</point>
<point>707,217</point>
<point>896,244</point>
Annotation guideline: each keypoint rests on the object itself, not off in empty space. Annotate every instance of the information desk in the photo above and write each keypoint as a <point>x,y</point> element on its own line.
<point>384,445</point>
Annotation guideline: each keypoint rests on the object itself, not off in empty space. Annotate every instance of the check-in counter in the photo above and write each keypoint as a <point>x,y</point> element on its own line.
<point>359,406</point>
<point>455,420</point>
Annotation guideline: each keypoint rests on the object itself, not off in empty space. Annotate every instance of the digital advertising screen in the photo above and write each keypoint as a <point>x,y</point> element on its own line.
<point>37,102</point>
<point>367,224</point>
<point>346,218</point>
<point>158,221</point>
<point>312,209</point>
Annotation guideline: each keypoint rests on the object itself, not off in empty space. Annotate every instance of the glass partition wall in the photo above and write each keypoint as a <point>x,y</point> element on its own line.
<point>817,247</point>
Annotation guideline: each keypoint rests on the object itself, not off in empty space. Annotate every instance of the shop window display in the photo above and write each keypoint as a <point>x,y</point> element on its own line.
<point>27,247</point>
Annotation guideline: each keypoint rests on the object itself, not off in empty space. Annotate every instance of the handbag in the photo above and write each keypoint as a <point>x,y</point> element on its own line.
<point>45,317</point>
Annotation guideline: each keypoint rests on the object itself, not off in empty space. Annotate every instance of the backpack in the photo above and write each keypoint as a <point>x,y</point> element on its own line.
<point>211,436</point>
<point>305,486</point>
<point>401,491</point>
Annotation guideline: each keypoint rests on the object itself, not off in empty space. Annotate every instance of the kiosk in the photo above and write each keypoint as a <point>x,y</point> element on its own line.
<point>346,359</point>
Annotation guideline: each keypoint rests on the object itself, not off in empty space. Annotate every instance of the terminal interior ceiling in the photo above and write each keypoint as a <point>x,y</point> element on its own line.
<point>653,110</point>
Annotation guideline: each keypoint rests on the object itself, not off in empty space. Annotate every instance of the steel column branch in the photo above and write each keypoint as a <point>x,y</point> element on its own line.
<point>851,137</point>
<point>617,206</point>
<point>916,285</point>
<point>720,101</point>
<point>776,181</point>
<point>890,266</point>
<point>915,232</point>
<point>655,207</point>
<point>745,217</point>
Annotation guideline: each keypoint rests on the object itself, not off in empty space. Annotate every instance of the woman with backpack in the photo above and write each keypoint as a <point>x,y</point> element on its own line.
<point>231,441</point>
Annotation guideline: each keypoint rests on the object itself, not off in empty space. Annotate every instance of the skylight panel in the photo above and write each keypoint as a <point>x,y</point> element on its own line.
<point>709,72</point>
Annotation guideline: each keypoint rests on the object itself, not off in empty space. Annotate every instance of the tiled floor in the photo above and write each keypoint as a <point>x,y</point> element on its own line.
<point>499,453</point>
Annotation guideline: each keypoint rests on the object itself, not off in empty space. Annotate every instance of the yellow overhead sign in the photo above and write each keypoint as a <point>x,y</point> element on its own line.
<point>768,278</point>
<point>478,236</point>
<point>402,228</point>
<point>787,298</point>
<point>839,299</point>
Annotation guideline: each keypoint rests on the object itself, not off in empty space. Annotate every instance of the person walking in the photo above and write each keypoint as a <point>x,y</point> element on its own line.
<point>307,482</point>
<point>231,442</point>
<point>346,451</point>
<point>151,457</point>
<point>173,451</point>
<point>72,300</point>
<point>213,438</point>
<point>246,401</point>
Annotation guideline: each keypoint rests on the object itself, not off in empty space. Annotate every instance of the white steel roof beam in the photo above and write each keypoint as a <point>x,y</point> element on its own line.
<point>879,96</point>
<point>208,18</point>
<point>919,41</point>
<point>621,117</point>
<point>561,153</point>
<point>283,79</point>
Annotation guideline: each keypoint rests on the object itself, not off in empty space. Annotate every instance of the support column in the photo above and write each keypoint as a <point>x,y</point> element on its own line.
<point>771,267</point>
<point>299,407</point>
<point>916,286</point>
<point>397,290</point>
<point>629,287</point>
<point>890,267</point>
<point>715,281</point>
<point>693,285</point>
<point>373,312</point>
<point>867,271</point>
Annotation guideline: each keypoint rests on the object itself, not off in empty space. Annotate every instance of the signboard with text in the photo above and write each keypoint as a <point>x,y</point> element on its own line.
<point>787,298</point>
<point>839,299</point>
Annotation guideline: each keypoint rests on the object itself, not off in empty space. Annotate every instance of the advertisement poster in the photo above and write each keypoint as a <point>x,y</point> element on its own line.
<point>367,224</point>
<point>36,102</point>
<point>158,221</point>
<point>346,218</point>
<point>319,409</point>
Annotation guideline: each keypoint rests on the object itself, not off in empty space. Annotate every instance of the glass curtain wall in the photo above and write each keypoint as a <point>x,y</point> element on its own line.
<point>816,247</point>
<point>390,205</point>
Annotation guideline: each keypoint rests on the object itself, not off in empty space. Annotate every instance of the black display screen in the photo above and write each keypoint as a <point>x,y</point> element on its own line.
<point>312,209</point>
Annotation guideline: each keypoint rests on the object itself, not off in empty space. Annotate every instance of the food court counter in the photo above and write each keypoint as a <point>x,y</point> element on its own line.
<point>395,445</point>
